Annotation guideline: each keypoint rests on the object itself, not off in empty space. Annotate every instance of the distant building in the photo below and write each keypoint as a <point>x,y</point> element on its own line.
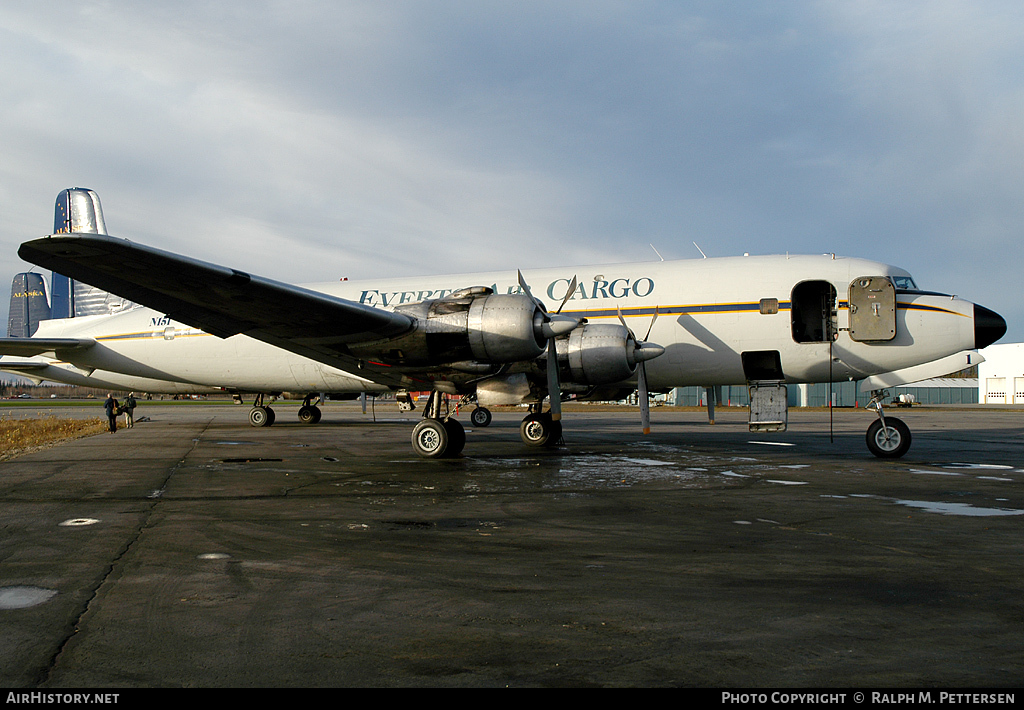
<point>1001,376</point>
<point>940,390</point>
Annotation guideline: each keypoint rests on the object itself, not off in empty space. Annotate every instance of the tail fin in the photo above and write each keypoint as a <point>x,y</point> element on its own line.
<point>28,305</point>
<point>78,210</point>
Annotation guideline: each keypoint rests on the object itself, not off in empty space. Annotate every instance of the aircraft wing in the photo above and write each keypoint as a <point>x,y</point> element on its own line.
<point>30,347</point>
<point>224,301</point>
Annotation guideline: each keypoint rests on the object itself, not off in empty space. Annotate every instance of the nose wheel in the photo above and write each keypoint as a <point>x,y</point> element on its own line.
<point>887,437</point>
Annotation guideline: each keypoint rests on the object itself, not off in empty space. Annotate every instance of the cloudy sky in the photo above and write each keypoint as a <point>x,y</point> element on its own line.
<point>307,141</point>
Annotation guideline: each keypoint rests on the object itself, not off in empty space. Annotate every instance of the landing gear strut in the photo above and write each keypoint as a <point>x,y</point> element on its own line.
<point>438,435</point>
<point>887,437</point>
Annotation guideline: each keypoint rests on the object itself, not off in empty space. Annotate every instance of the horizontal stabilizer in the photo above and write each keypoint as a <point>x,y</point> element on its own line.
<point>937,368</point>
<point>30,347</point>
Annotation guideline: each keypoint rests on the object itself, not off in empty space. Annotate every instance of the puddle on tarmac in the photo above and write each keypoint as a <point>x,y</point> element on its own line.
<point>959,509</point>
<point>24,597</point>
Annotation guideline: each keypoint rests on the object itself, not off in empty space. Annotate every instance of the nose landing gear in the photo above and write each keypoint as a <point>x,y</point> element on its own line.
<point>887,437</point>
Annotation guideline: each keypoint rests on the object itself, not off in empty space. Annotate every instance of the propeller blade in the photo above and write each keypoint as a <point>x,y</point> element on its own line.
<point>553,326</point>
<point>554,387</point>
<point>622,320</point>
<point>525,287</point>
<point>651,326</point>
<point>568,294</point>
<point>645,405</point>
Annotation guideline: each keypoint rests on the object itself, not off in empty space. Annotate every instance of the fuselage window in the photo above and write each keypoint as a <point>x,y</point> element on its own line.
<point>769,306</point>
<point>813,312</point>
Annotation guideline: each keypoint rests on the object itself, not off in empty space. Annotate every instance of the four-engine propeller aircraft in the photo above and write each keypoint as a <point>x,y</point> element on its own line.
<point>766,321</point>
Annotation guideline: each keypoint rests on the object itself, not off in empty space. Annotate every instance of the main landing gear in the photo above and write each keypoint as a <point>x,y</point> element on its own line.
<point>887,437</point>
<point>438,435</point>
<point>309,413</point>
<point>262,415</point>
<point>540,428</point>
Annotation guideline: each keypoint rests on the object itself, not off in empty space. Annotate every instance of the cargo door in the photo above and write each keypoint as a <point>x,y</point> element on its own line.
<point>872,309</point>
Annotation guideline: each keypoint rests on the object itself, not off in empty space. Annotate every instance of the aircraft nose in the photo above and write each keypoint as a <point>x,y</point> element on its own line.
<point>989,326</point>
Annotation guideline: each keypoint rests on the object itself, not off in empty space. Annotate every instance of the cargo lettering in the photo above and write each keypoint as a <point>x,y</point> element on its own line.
<point>556,290</point>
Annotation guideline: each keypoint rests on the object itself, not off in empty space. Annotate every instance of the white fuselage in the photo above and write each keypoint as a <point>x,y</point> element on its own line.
<point>710,311</point>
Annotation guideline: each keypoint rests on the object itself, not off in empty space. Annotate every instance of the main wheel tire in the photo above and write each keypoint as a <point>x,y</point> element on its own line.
<point>430,439</point>
<point>271,417</point>
<point>480,417</point>
<point>456,437</point>
<point>309,414</point>
<point>540,430</point>
<point>891,442</point>
<point>260,416</point>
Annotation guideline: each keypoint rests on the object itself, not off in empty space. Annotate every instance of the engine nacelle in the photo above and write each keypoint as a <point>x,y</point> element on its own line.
<point>597,354</point>
<point>505,328</point>
<point>472,329</point>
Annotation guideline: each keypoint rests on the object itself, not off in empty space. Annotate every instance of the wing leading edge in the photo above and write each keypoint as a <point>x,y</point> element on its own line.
<point>224,301</point>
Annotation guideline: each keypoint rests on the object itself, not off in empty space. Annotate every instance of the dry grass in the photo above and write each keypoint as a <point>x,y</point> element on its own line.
<point>18,436</point>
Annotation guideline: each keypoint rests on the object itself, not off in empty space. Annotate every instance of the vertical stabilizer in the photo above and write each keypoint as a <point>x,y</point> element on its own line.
<point>28,305</point>
<point>78,210</point>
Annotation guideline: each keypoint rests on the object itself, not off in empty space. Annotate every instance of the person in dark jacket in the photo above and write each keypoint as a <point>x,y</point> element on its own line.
<point>111,408</point>
<point>129,410</point>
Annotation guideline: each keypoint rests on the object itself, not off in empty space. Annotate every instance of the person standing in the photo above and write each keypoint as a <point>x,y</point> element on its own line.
<point>129,410</point>
<point>111,407</point>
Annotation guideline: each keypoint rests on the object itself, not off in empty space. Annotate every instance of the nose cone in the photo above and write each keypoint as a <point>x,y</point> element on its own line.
<point>989,326</point>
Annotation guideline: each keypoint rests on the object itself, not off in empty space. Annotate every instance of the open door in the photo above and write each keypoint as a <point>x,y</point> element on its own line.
<point>872,309</point>
<point>813,312</point>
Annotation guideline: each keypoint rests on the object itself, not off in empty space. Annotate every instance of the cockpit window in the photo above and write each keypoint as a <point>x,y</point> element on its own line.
<point>904,283</point>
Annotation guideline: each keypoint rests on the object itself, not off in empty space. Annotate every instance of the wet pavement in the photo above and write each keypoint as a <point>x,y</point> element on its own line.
<point>196,551</point>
